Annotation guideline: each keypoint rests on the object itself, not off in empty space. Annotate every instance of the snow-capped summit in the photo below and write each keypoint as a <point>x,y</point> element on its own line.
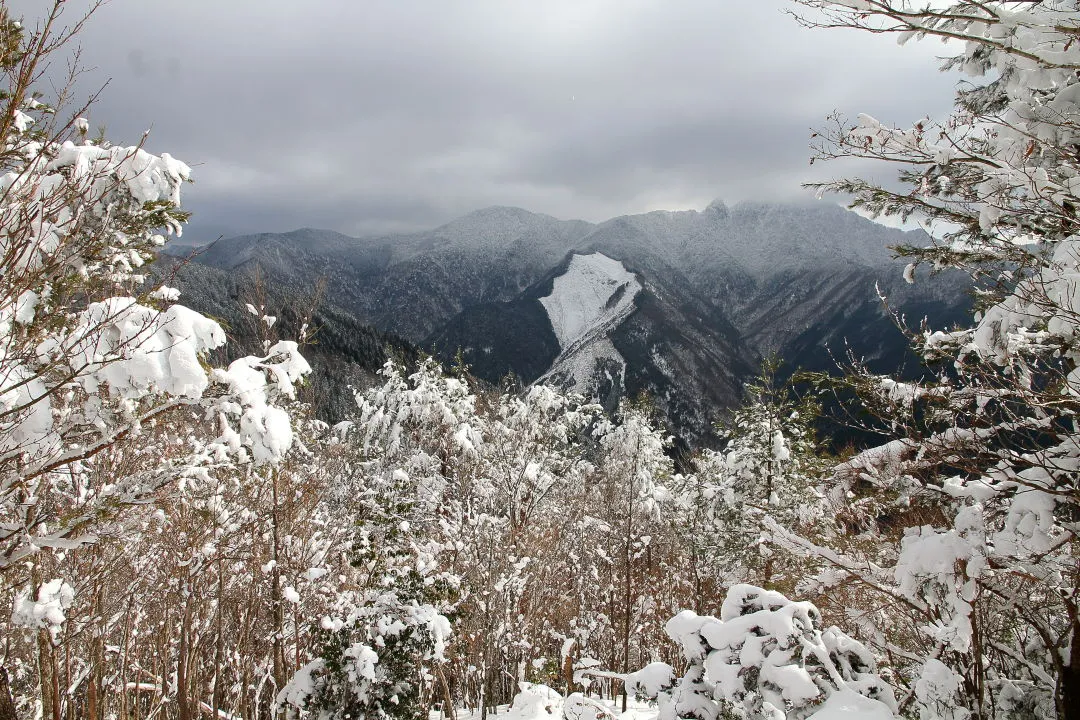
<point>503,226</point>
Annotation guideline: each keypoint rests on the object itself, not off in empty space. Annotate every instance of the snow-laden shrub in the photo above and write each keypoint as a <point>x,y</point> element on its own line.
<point>764,657</point>
<point>371,664</point>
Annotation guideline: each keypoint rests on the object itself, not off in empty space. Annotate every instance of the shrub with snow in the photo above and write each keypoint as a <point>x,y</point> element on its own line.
<point>764,657</point>
<point>108,401</point>
<point>372,662</point>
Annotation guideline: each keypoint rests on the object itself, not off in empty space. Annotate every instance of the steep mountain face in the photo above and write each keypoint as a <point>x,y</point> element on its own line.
<point>677,305</point>
<point>343,351</point>
<point>411,285</point>
<point>586,304</point>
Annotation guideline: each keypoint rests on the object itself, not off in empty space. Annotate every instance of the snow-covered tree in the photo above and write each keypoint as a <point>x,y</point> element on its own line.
<point>371,660</point>
<point>968,518</point>
<point>378,642</point>
<point>632,495</point>
<point>541,512</point>
<point>89,358</point>
<point>769,466</point>
<point>97,371</point>
<point>765,658</point>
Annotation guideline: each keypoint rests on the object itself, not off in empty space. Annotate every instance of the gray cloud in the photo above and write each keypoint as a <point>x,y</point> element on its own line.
<point>390,115</point>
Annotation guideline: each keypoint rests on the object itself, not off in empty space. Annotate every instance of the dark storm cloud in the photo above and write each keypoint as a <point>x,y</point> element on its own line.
<point>388,115</point>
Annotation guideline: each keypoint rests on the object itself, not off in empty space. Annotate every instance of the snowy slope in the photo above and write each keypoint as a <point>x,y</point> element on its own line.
<point>583,299</point>
<point>591,298</point>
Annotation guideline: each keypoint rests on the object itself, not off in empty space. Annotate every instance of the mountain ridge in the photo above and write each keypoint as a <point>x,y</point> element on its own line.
<point>720,288</point>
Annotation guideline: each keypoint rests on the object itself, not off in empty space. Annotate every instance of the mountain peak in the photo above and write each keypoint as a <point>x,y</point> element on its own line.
<point>310,234</point>
<point>717,207</point>
<point>498,219</point>
<point>501,226</point>
<point>504,212</point>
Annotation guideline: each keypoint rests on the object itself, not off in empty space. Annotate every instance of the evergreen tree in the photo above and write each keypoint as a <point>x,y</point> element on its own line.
<point>769,467</point>
<point>965,565</point>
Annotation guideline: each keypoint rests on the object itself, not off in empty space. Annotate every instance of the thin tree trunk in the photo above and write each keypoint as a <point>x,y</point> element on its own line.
<point>484,694</point>
<point>275,589</point>
<point>448,700</point>
<point>219,641</point>
<point>50,688</point>
<point>95,695</point>
<point>46,662</point>
<point>127,640</point>
<point>183,701</point>
<point>628,597</point>
<point>1069,681</point>
<point>7,703</point>
<point>94,711</point>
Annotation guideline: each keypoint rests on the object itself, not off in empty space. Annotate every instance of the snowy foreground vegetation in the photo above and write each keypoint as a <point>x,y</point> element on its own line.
<point>179,539</point>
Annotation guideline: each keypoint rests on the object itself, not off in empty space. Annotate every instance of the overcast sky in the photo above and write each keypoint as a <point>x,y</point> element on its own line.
<point>373,116</point>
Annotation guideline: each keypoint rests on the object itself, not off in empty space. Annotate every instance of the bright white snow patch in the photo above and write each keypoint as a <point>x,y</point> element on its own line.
<point>849,705</point>
<point>53,600</point>
<point>535,702</point>
<point>579,300</point>
<point>591,298</point>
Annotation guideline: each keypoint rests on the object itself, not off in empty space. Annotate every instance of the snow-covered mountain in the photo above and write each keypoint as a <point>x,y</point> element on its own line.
<point>677,305</point>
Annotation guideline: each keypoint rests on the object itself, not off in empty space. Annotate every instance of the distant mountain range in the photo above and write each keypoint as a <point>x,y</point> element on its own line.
<point>679,306</point>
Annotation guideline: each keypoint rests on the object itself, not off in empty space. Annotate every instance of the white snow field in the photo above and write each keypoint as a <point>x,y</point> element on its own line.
<point>593,296</point>
<point>539,702</point>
